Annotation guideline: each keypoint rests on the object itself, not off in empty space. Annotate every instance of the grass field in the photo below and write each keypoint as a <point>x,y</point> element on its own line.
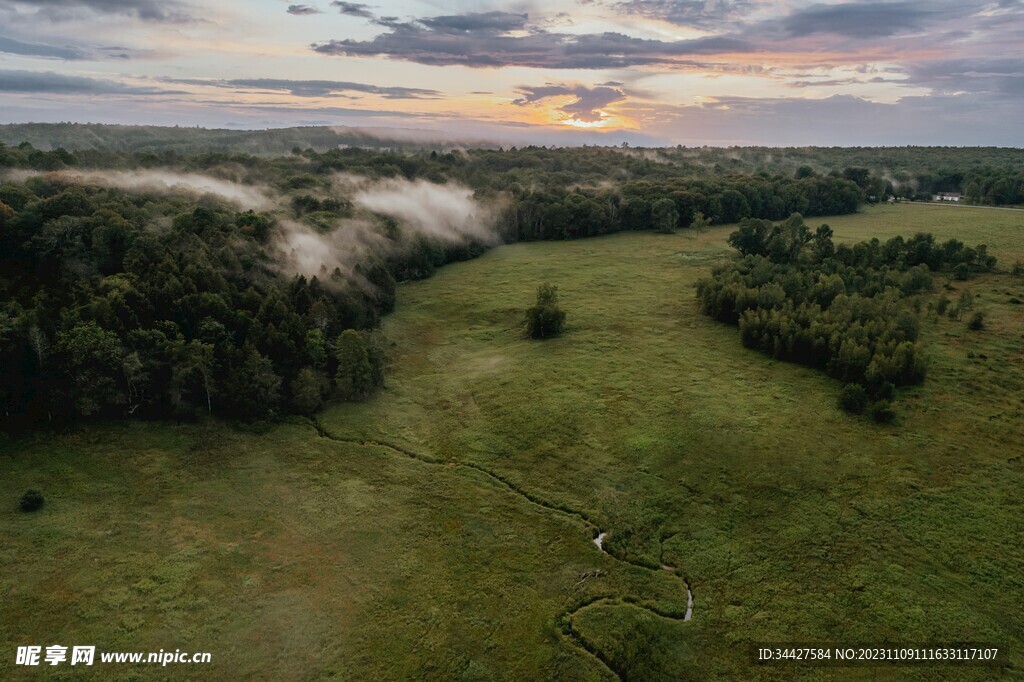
<point>443,529</point>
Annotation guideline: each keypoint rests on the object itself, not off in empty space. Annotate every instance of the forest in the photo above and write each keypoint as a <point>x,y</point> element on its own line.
<point>983,175</point>
<point>852,311</point>
<point>167,284</point>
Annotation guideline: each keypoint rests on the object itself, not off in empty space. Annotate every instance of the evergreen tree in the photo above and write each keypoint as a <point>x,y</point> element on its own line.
<point>355,375</point>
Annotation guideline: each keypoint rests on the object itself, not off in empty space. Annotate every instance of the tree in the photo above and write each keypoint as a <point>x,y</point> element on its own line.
<point>665,216</point>
<point>354,377</point>
<point>92,359</point>
<point>193,370</point>
<point>751,237</point>
<point>307,391</point>
<point>700,222</point>
<point>823,246</point>
<point>39,344</point>
<point>545,319</point>
<point>254,389</point>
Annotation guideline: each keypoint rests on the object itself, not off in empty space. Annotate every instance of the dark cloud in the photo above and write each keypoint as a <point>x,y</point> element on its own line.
<point>302,10</point>
<point>353,9</point>
<point>835,82</point>
<point>705,14</point>
<point>147,10</point>
<point>868,19</point>
<point>987,77</point>
<point>489,22</point>
<point>48,82</point>
<point>12,46</point>
<point>587,104</point>
<point>846,120</point>
<point>314,88</point>
<point>483,40</point>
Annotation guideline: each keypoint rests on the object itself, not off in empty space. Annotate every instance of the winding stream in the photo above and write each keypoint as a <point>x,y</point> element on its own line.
<point>599,541</point>
<point>599,536</point>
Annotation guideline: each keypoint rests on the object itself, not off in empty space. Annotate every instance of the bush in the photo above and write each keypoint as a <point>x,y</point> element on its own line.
<point>977,322</point>
<point>942,305</point>
<point>31,501</point>
<point>964,302</point>
<point>884,390</point>
<point>1018,269</point>
<point>853,399</point>
<point>962,271</point>
<point>882,412</point>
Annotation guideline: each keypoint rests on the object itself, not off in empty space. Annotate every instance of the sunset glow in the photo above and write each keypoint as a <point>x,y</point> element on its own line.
<point>658,72</point>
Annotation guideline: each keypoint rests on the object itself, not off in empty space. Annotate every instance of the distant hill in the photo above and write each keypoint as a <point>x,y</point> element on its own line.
<point>119,138</point>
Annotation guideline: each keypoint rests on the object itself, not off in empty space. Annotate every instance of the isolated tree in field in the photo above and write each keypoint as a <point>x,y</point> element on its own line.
<point>545,319</point>
<point>355,372</point>
<point>665,216</point>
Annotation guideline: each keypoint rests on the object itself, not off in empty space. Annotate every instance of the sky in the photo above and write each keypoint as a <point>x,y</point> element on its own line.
<point>651,72</point>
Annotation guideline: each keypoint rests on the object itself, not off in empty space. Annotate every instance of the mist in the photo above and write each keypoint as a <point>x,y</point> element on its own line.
<point>165,182</point>
<point>446,212</point>
<point>449,213</point>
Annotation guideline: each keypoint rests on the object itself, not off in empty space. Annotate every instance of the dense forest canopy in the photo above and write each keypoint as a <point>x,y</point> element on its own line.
<point>150,282</point>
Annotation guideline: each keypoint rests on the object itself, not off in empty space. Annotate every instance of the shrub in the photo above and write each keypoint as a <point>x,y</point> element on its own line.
<point>964,302</point>
<point>882,412</point>
<point>884,390</point>
<point>1018,269</point>
<point>31,501</point>
<point>853,399</point>
<point>942,305</point>
<point>962,271</point>
<point>977,322</point>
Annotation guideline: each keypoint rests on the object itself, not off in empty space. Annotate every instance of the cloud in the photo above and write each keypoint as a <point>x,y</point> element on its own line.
<point>839,120</point>
<point>61,84</point>
<point>989,77</point>
<point>496,39</point>
<point>313,88</point>
<point>490,22</point>
<point>587,105</point>
<point>12,46</point>
<point>704,14</point>
<point>353,9</point>
<point>867,19</point>
<point>301,10</point>
<point>146,10</point>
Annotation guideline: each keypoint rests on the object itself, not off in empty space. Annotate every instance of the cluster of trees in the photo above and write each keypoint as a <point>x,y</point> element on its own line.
<point>116,303</point>
<point>844,309</point>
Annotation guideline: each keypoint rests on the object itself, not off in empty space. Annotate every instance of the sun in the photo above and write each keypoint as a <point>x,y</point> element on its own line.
<point>606,122</point>
<point>576,123</point>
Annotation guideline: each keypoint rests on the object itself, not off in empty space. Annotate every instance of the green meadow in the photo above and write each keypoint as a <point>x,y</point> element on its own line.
<point>444,529</point>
